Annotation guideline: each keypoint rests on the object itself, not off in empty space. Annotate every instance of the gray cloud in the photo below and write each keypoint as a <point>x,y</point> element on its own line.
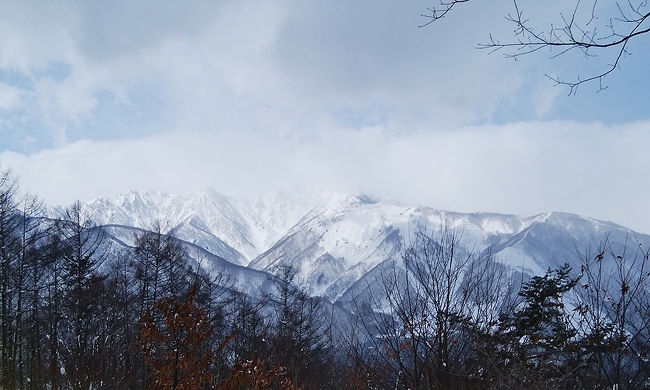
<point>248,65</point>
<point>524,168</point>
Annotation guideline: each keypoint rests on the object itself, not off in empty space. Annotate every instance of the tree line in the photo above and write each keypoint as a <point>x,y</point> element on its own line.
<point>79,313</point>
<point>446,318</point>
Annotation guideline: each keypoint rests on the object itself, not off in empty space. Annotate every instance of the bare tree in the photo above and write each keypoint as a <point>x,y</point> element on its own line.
<point>83,253</point>
<point>26,280</point>
<point>613,314</point>
<point>432,304</point>
<point>161,266</point>
<point>589,27</point>
<point>300,330</point>
<point>9,255</point>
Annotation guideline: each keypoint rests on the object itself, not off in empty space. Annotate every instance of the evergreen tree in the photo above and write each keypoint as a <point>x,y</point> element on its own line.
<point>535,345</point>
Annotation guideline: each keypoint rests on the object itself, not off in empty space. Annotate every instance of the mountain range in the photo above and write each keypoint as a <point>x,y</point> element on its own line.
<point>335,241</point>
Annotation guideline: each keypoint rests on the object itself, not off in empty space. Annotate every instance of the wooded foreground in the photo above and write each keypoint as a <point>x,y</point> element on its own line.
<point>77,314</point>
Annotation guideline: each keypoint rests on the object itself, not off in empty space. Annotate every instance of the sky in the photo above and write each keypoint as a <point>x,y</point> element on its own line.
<point>250,97</point>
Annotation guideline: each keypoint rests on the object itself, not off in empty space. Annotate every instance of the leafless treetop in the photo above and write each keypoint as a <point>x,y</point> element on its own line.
<point>583,28</point>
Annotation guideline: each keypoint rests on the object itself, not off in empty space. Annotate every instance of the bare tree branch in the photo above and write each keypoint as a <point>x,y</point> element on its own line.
<point>630,22</point>
<point>439,12</point>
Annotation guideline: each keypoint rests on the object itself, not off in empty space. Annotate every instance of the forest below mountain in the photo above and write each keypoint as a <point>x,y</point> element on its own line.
<point>79,313</point>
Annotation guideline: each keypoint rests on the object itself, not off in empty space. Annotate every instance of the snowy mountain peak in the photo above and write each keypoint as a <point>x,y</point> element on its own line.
<point>336,239</point>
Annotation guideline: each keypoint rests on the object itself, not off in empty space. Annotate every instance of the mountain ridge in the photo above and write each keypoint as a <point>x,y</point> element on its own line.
<point>334,240</point>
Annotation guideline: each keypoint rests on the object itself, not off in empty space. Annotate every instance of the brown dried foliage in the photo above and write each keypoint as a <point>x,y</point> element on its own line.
<point>255,375</point>
<point>174,346</point>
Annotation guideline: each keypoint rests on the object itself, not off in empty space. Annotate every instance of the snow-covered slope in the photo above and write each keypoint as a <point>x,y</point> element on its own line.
<point>335,241</point>
<point>231,228</point>
<point>247,280</point>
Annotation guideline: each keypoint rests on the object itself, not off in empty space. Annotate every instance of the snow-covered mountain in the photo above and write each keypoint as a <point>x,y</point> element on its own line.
<point>334,240</point>
<point>232,228</point>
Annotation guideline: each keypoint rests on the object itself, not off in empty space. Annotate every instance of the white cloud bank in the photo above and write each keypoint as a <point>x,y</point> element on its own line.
<point>525,168</point>
<point>281,67</point>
